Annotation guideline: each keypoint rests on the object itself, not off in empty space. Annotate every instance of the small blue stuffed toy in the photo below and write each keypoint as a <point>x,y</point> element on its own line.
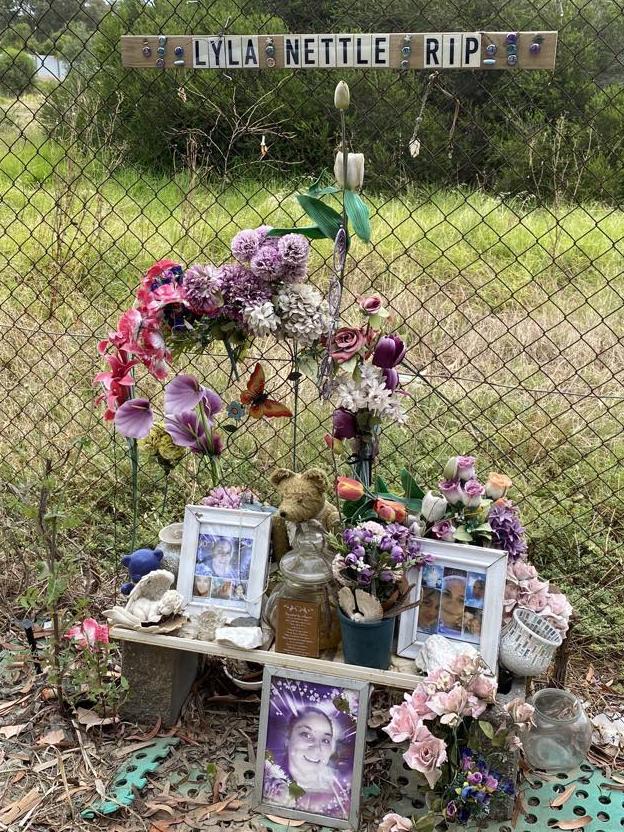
<point>140,563</point>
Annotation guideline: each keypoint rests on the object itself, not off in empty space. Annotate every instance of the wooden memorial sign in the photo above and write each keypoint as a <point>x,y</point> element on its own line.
<point>446,50</point>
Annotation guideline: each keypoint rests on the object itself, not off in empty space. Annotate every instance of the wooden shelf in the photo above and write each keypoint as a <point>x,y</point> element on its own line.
<point>400,675</point>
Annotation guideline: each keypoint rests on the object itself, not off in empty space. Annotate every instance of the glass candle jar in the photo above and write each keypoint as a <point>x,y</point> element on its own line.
<point>305,575</point>
<point>561,736</point>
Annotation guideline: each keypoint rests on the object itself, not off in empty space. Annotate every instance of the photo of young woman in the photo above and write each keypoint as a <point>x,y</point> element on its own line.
<point>475,590</point>
<point>309,751</point>
<point>473,619</point>
<point>452,601</point>
<point>428,610</point>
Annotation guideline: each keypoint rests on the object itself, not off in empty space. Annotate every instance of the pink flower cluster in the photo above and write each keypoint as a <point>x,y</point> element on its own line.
<point>229,496</point>
<point>446,696</point>
<point>88,634</point>
<point>525,589</point>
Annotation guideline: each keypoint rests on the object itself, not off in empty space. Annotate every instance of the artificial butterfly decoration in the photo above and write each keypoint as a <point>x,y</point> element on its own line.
<point>258,401</point>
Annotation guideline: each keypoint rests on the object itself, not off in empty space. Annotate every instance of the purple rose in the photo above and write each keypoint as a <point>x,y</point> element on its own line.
<point>465,468</point>
<point>386,576</point>
<point>450,812</point>
<point>472,493</point>
<point>344,424</point>
<point>396,552</point>
<point>358,551</point>
<point>351,559</point>
<point>451,490</point>
<point>474,778</point>
<point>371,305</point>
<point>389,352</point>
<point>444,530</point>
<point>491,783</point>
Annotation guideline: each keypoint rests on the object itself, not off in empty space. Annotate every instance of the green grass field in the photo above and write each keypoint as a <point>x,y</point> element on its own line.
<point>512,312</point>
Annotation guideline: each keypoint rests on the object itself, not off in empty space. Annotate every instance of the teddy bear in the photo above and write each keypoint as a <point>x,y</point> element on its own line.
<point>140,563</point>
<point>302,499</point>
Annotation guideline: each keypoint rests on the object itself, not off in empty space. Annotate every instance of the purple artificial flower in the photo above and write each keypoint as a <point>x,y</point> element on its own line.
<point>351,559</point>
<point>187,431</point>
<point>262,232</point>
<point>465,467</point>
<point>389,352</point>
<point>184,393</point>
<point>491,782</point>
<point>241,289</point>
<point>391,378</point>
<point>451,491</point>
<point>386,575</point>
<point>444,530</point>
<point>294,250</point>
<point>202,287</point>
<point>359,551</point>
<point>229,496</point>
<point>134,418</point>
<point>507,530</point>
<point>475,778</point>
<point>450,811</point>
<point>397,553</point>
<point>267,264</point>
<point>472,493</point>
<point>245,245</point>
<point>344,424</point>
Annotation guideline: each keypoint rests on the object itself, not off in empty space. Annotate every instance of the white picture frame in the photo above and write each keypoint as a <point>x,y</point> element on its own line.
<point>225,554</point>
<point>303,695</point>
<point>482,613</point>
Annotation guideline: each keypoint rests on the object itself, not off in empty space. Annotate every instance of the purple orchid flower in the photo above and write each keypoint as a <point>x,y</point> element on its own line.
<point>389,352</point>
<point>184,393</point>
<point>134,419</point>
<point>187,430</point>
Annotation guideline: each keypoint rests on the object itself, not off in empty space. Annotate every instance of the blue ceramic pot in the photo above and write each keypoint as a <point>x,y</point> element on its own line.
<point>367,643</point>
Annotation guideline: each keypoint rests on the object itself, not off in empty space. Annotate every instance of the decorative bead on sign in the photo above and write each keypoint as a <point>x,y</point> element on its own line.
<point>178,51</point>
<point>512,37</point>
<point>512,60</point>
<point>491,49</point>
<point>147,51</point>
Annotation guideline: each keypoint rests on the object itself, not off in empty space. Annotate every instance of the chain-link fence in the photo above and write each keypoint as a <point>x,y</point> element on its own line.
<point>499,247</point>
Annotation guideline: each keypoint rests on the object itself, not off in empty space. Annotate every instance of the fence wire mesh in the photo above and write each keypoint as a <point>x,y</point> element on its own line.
<point>499,248</point>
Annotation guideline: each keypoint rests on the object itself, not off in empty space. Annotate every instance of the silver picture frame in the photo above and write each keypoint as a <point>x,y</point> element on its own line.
<point>242,525</point>
<point>492,564</point>
<point>361,690</point>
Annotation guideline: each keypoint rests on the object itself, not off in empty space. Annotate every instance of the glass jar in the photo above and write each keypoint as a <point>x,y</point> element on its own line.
<point>305,575</point>
<point>561,736</point>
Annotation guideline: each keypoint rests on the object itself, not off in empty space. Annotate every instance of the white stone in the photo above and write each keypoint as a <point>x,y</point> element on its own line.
<point>438,652</point>
<point>247,638</point>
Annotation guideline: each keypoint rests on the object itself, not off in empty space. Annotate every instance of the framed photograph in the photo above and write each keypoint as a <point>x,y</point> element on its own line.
<point>311,747</point>
<point>461,597</point>
<point>223,561</point>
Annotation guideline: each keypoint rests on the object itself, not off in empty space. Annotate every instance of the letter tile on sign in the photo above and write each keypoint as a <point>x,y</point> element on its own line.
<point>452,50</point>
<point>432,51</point>
<point>309,50</point>
<point>344,50</point>
<point>201,57</point>
<point>216,50</point>
<point>233,52</point>
<point>249,50</point>
<point>380,50</point>
<point>292,51</point>
<point>471,50</point>
<point>362,50</point>
<point>326,50</point>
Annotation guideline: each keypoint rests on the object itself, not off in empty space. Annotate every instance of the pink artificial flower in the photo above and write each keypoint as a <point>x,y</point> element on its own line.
<point>441,679</point>
<point>559,605</point>
<point>521,570</point>
<point>88,634</point>
<point>450,706</point>
<point>371,304</point>
<point>465,468</point>
<point>465,664</point>
<point>533,594</point>
<point>404,722</point>
<point>165,295</point>
<point>451,490</point>
<point>426,754</point>
<point>160,267</point>
<point>521,713</point>
<point>117,382</point>
<point>444,530</point>
<point>475,706</point>
<point>483,687</point>
<point>472,493</point>
<point>347,342</point>
<point>395,823</point>
<point>419,701</point>
<point>134,419</point>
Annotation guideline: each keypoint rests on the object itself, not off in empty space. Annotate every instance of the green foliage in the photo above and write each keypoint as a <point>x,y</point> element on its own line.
<point>17,69</point>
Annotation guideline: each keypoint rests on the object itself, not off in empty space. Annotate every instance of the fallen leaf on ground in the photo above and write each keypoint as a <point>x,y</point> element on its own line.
<point>563,797</point>
<point>9,814</point>
<point>164,825</point>
<point>577,823</point>
<point>153,808</point>
<point>285,821</point>
<point>55,737</point>
<point>98,785</point>
<point>150,734</point>
<point>12,730</point>
<point>90,719</point>
<point>619,778</point>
